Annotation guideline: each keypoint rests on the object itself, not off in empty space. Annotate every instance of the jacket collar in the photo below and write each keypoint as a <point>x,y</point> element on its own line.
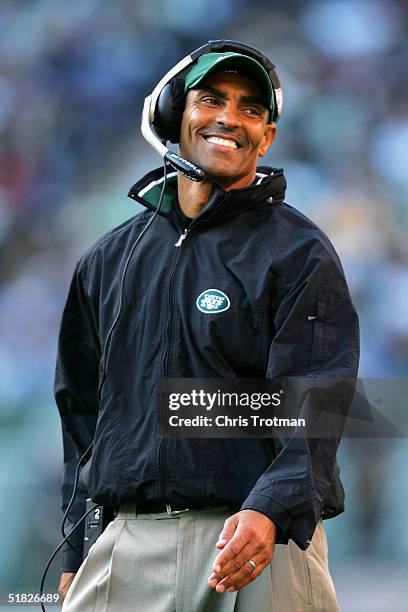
<point>270,183</point>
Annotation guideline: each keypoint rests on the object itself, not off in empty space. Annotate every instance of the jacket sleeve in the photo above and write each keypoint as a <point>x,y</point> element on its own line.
<point>76,394</point>
<point>316,335</point>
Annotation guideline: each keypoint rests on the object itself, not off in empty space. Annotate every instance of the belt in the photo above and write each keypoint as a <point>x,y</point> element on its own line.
<point>158,508</point>
<point>134,508</point>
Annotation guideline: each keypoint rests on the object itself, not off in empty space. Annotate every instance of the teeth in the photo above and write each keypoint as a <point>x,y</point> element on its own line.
<point>222,141</point>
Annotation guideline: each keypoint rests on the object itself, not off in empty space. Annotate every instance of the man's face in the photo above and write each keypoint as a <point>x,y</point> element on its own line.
<point>225,128</point>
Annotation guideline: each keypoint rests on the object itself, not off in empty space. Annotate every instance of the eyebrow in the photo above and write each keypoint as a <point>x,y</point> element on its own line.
<point>244,99</point>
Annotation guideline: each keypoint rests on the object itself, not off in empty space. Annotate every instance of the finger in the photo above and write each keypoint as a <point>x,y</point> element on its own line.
<point>234,565</point>
<point>243,583</point>
<point>243,577</point>
<point>245,570</point>
<point>231,550</point>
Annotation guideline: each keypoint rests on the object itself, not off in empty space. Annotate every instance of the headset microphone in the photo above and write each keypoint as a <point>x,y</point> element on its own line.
<point>163,109</point>
<point>190,170</point>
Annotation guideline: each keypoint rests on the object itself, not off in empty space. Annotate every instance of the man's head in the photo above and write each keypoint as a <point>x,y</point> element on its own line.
<point>226,122</point>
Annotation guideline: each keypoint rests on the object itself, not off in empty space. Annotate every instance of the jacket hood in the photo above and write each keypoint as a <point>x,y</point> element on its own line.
<point>269,187</point>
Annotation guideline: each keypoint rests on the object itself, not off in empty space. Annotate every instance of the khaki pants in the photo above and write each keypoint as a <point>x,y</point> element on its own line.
<point>161,563</point>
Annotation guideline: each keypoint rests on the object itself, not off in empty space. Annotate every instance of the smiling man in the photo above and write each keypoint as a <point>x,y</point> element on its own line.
<point>226,283</point>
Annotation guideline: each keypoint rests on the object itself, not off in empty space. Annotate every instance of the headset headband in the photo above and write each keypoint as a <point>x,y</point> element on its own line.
<point>192,171</point>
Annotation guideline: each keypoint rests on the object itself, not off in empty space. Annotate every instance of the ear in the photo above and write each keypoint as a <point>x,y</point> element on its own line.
<point>269,136</point>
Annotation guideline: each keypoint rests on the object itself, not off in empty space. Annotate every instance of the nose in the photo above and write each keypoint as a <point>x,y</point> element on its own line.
<point>228,115</point>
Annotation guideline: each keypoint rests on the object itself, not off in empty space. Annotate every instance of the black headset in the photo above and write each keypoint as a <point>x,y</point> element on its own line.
<point>163,109</point>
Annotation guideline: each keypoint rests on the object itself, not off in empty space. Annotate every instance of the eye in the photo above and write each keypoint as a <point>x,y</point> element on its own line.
<point>252,110</point>
<point>210,100</point>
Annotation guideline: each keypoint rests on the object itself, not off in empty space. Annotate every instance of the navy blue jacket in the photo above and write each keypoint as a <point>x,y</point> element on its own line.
<point>277,268</point>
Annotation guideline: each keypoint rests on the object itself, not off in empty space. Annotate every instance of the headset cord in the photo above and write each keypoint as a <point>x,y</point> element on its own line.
<point>103,362</point>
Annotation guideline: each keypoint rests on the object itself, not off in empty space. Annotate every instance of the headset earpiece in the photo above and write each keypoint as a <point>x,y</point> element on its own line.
<point>169,110</point>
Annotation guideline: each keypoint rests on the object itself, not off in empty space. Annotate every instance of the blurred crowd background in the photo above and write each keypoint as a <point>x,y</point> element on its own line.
<point>72,81</point>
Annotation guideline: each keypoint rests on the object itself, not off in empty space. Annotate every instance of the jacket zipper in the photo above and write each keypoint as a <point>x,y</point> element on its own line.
<point>162,443</point>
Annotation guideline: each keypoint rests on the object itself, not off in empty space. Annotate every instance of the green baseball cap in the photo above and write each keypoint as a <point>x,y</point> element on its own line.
<point>214,62</point>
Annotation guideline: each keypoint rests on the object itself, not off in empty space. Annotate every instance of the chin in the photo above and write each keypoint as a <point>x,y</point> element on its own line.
<point>217,170</point>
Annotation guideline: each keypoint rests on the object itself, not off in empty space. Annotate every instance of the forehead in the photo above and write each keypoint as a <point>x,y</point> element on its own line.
<point>227,80</point>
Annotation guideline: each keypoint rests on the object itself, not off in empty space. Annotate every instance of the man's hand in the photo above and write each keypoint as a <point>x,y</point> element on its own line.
<point>65,583</point>
<point>247,535</point>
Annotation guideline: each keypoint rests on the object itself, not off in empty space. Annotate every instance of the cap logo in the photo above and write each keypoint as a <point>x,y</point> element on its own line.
<point>212,300</point>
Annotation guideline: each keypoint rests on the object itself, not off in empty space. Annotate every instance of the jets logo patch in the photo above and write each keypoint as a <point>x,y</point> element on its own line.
<point>212,300</point>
